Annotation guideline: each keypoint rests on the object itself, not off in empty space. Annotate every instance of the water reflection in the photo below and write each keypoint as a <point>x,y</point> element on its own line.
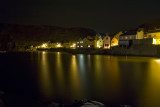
<point>110,79</point>
<point>59,71</point>
<point>150,95</point>
<point>44,73</point>
<point>75,79</point>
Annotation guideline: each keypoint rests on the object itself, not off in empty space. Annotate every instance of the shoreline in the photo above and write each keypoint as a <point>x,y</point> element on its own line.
<point>141,51</point>
<point>118,51</point>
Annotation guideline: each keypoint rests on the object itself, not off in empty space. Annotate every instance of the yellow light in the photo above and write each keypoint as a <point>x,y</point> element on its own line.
<point>89,46</point>
<point>157,60</point>
<point>58,45</point>
<point>154,41</point>
<point>81,46</point>
<point>44,45</point>
<point>74,45</point>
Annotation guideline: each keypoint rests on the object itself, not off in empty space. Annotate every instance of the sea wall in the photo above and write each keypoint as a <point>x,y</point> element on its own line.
<point>135,50</point>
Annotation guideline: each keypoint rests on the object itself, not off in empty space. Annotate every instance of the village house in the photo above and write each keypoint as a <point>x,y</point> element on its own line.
<point>140,33</point>
<point>88,42</point>
<point>115,39</point>
<point>69,44</point>
<point>126,38</point>
<point>107,41</point>
<point>79,43</point>
<point>98,43</point>
<point>155,34</point>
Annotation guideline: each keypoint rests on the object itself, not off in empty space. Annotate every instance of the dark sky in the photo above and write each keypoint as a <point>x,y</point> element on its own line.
<point>100,15</point>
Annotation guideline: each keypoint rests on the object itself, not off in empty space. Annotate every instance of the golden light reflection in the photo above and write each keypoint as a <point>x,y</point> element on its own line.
<point>45,80</point>
<point>151,93</point>
<point>75,78</point>
<point>60,74</point>
<point>107,68</point>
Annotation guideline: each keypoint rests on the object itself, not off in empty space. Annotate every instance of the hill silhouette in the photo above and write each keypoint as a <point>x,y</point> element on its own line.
<point>41,33</point>
<point>151,25</point>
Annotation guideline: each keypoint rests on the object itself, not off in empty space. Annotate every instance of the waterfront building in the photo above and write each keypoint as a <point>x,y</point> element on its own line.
<point>115,39</point>
<point>88,42</point>
<point>126,38</point>
<point>69,44</point>
<point>100,42</point>
<point>79,43</point>
<point>107,41</point>
<point>140,33</point>
<point>155,34</point>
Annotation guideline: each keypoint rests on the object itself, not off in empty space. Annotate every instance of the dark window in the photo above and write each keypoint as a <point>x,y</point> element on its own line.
<point>106,44</point>
<point>149,36</point>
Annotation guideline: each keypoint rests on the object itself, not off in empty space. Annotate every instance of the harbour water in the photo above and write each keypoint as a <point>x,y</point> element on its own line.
<point>58,76</point>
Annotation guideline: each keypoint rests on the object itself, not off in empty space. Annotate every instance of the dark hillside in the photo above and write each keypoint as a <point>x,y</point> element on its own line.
<point>37,33</point>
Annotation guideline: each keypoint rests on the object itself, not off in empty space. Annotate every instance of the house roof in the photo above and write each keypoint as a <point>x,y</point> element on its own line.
<point>102,34</point>
<point>130,32</point>
<point>154,31</point>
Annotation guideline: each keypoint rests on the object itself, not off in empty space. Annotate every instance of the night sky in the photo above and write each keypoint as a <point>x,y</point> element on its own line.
<point>100,15</point>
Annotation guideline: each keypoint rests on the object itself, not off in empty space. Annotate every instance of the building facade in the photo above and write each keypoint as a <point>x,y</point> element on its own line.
<point>107,41</point>
<point>126,38</point>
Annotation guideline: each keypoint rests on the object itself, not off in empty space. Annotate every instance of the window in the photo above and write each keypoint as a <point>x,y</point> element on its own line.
<point>106,44</point>
<point>130,37</point>
<point>106,38</point>
<point>121,37</point>
<point>81,41</point>
<point>126,37</point>
<point>77,42</point>
<point>149,36</point>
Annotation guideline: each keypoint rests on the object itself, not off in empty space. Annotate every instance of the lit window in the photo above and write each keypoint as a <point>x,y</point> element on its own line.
<point>78,42</point>
<point>126,37</point>
<point>121,37</point>
<point>81,41</point>
<point>130,37</point>
<point>77,46</point>
<point>81,46</point>
<point>89,46</point>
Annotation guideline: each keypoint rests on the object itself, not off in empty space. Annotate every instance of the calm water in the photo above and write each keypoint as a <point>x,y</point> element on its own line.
<point>66,77</point>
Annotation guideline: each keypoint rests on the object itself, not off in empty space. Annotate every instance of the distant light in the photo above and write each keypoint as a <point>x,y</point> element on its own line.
<point>58,45</point>
<point>81,46</point>
<point>157,60</point>
<point>81,41</point>
<point>89,46</point>
<point>73,45</point>
<point>44,45</point>
<point>154,41</point>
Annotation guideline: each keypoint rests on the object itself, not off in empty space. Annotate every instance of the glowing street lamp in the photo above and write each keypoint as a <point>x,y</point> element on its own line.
<point>44,45</point>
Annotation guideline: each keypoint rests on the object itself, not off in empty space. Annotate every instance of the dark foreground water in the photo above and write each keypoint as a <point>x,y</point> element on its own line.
<point>56,76</point>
